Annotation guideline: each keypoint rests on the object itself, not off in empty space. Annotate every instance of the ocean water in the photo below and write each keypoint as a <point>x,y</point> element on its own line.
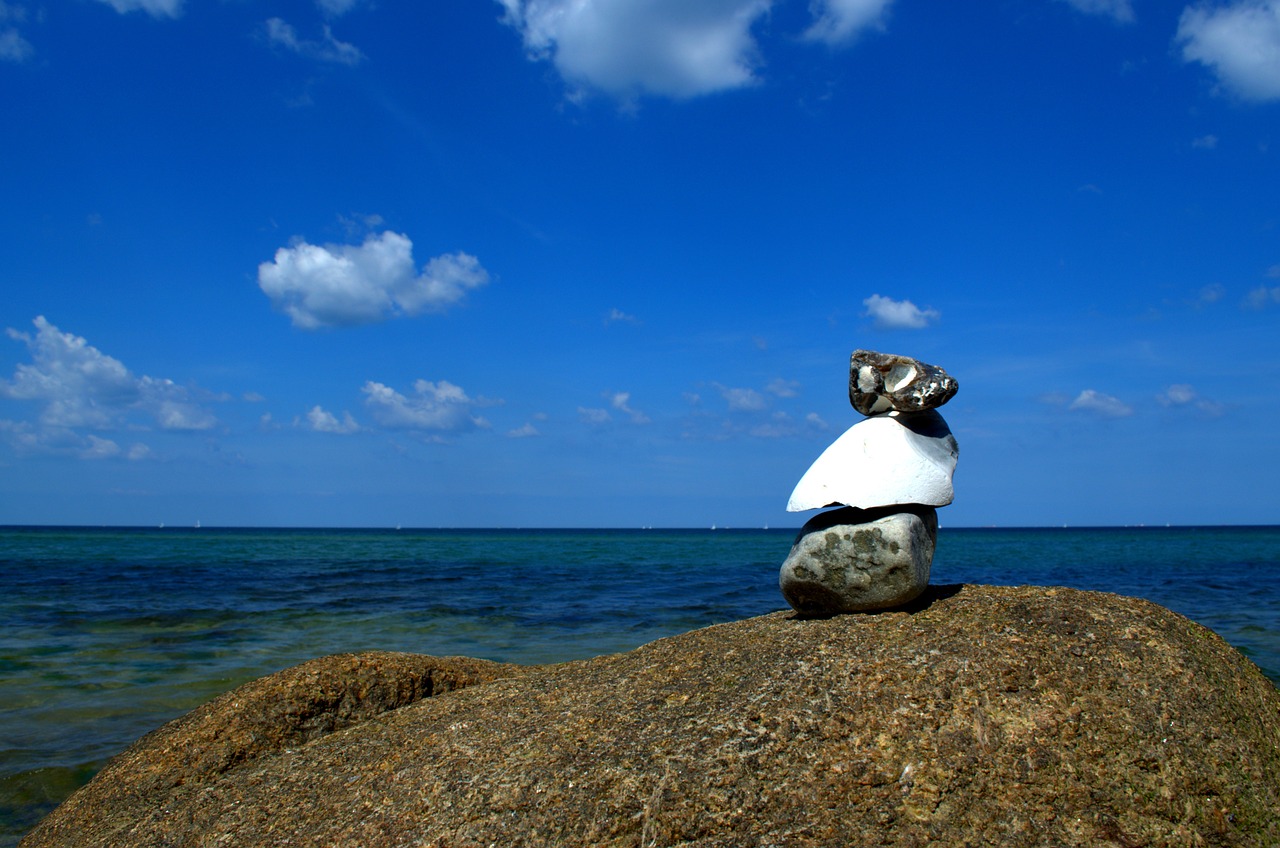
<point>108,633</point>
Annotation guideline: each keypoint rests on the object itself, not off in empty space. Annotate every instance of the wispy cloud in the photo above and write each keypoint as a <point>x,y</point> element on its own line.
<point>898,314</point>
<point>1205,142</point>
<point>840,21</point>
<point>617,315</point>
<point>154,8</point>
<point>621,401</point>
<point>1120,11</point>
<point>594,415</point>
<point>783,388</point>
<point>13,47</point>
<point>326,49</point>
<point>433,409</point>
<point>1184,395</point>
<point>741,399</point>
<point>347,285</point>
<point>1261,297</point>
<point>1240,41</point>
<point>1097,403</point>
<point>525,432</point>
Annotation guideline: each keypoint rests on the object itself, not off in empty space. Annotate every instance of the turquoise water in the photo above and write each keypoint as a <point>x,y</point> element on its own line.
<point>110,632</point>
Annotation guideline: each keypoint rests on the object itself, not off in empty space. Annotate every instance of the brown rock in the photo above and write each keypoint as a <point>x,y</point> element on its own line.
<point>879,382</point>
<point>979,716</point>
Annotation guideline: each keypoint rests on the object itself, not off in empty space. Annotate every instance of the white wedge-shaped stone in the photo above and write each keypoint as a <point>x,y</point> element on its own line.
<point>894,458</point>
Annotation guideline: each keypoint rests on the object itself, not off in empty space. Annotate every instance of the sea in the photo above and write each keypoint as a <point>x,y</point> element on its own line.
<point>107,633</point>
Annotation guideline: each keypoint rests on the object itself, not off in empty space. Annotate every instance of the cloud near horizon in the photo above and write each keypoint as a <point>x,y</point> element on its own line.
<point>81,388</point>
<point>348,285</point>
<point>1103,405</point>
<point>1240,41</point>
<point>434,408</point>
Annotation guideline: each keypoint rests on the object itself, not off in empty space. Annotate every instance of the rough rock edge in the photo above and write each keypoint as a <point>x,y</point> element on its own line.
<point>270,715</point>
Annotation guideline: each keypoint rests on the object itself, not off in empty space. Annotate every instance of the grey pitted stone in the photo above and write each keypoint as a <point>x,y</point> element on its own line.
<point>879,382</point>
<point>854,560</point>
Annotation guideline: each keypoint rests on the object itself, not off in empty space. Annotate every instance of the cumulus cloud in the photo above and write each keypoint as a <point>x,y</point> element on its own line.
<point>327,49</point>
<point>323,421</point>
<point>346,285</point>
<point>154,8</point>
<point>80,388</point>
<point>1120,11</point>
<point>1240,41</point>
<point>839,21</point>
<point>621,402</point>
<point>898,314</point>
<point>672,48</point>
<point>1096,403</point>
<point>434,408</point>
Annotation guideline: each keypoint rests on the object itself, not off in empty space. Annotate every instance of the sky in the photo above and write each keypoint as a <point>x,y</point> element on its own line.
<point>602,263</point>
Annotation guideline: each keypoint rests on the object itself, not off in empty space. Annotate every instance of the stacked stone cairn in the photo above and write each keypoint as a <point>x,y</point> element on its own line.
<point>886,475</point>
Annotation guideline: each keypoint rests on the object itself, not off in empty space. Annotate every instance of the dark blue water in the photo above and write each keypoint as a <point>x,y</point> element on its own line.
<point>108,633</point>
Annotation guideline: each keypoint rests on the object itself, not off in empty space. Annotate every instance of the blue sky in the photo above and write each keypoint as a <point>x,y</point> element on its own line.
<point>602,262</point>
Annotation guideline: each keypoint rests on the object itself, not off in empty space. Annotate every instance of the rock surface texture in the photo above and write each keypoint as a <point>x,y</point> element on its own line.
<point>879,382</point>
<point>896,458</point>
<point>853,560</point>
<point>978,716</point>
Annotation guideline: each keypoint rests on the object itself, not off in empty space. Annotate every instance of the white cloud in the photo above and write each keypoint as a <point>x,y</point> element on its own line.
<point>898,314</point>
<point>621,402</point>
<point>1183,395</point>
<point>81,387</point>
<point>740,399</point>
<point>672,48</point>
<point>839,21</point>
<point>594,416</point>
<point>783,388</point>
<point>616,315</point>
<point>13,47</point>
<point>1205,142</point>
<point>1212,293</point>
<point>525,432</point>
<point>323,421</point>
<point>327,49</point>
<point>154,8</point>
<point>346,285</point>
<point>1120,11</point>
<point>1097,403</point>
<point>335,8</point>
<point>1240,41</point>
<point>434,407</point>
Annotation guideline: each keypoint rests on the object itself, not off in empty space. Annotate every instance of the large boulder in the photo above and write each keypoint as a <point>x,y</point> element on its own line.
<point>977,716</point>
